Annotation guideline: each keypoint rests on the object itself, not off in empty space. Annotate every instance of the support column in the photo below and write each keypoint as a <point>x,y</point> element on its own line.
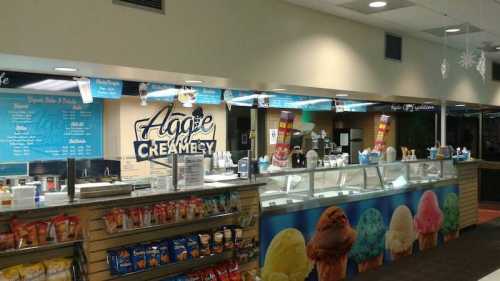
<point>443,122</point>
<point>480,146</point>
<point>253,133</point>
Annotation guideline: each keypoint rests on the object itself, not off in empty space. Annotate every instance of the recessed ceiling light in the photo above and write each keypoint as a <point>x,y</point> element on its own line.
<point>65,69</point>
<point>498,48</point>
<point>452,30</point>
<point>193,81</point>
<point>278,90</point>
<point>460,105</point>
<point>377,4</point>
<point>341,95</point>
<point>428,102</point>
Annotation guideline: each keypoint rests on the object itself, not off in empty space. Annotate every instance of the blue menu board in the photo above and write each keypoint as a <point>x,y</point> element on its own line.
<point>106,88</point>
<point>39,127</point>
<point>300,102</point>
<point>208,95</point>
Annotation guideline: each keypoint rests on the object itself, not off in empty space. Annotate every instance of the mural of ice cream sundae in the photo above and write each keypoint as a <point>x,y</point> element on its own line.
<point>286,258</point>
<point>368,251</point>
<point>401,235</point>
<point>451,217</point>
<point>428,220</point>
<point>330,245</point>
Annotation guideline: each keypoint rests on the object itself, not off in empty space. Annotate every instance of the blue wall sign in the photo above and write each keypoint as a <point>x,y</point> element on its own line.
<point>167,93</point>
<point>106,88</point>
<point>39,127</point>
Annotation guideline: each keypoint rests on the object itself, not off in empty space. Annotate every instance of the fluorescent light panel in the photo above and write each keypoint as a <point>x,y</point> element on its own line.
<point>51,85</point>
<point>65,69</point>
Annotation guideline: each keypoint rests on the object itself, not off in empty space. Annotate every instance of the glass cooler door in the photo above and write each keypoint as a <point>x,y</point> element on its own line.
<point>394,175</point>
<point>283,189</point>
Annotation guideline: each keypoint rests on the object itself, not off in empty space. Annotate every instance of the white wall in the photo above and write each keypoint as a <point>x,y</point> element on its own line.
<point>252,40</point>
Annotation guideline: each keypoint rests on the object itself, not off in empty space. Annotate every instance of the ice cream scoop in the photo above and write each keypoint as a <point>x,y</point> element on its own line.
<point>429,217</point>
<point>401,234</point>
<point>331,243</point>
<point>451,217</point>
<point>286,258</point>
<point>368,250</point>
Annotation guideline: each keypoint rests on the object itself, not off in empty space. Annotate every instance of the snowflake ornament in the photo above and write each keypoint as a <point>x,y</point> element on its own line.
<point>481,65</point>
<point>467,59</point>
<point>445,66</point>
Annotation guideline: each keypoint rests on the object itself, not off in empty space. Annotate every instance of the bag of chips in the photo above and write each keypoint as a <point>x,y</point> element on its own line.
<point>32,272</point>
<point>58,269</point>
<point>11,273</point>
<point>7,242</point>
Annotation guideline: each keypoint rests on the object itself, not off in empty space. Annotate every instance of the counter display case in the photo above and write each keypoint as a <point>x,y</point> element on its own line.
<point>296,186</point>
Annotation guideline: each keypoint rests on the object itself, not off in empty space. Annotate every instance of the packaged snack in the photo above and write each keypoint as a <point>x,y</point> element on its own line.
<point>123,261</point>
<point>210,206</point>
<point>58,269</point>
<point>228,238</point>
<point>234,201</point>
<point>238,237</point>
<point>204,244</point>
<point>153,255</point>
<point>179,250</point>
<point>164,252</point>
<point>200,208</point>
<point>233,269</point>
<point>112,260</point>
<point>32,272</point>
<point>74,228</point>
<point>20,233</point>
<point>182,210</point>
<point>159,213</point>
<point>194,276</point>
<point>221,272</point>
<point>193,247</point>
<point>10,274</point>
<point>222,204</point>
<point>171,211</point>
<point>120,218</point>
<point>7,242</point>
<point>110,223</point>
<point>191,211</point>
<point>138,255</point>
<point>61,227</point>
<point>32,234</point>
<point>43,232</point>
<point>209,275</point>
<point>147,214</point>
<point>134,216</point>
<point>218,244</point>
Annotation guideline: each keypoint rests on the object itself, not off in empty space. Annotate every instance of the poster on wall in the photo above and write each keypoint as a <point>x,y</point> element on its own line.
<point>171,131</point>
<point>334,242</point>
<point>39,127</point>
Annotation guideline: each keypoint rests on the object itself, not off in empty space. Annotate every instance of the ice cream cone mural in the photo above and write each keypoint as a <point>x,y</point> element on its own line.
<point>401,235</point>
<point>286,258</point>
<point>368,251</point>
<point>451,217</point>
<point>329,246</point>
<point>428,220</point>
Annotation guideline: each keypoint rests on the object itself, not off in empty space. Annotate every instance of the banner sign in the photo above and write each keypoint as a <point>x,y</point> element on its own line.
<point>169,92</point>
<point>405,107</point>
<point>331,243</point>
<point>39,127</point>
<point>169,131</point>
<point>300,102</point>
<point>106,88</point>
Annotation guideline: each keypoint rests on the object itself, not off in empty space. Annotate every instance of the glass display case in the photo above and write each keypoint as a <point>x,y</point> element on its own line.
<point>300,185</point>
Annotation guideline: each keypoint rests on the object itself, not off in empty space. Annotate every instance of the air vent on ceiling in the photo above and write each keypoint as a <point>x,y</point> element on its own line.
<point>495,71</point>
<point>150,5</point>
<point>393,47</point>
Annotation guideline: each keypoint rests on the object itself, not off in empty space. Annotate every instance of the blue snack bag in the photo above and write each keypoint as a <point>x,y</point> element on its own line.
<point>123,261</point>
<point>153,256</point>
<point>113,262</point>
<point>164,252</point>
<point>138,254</point>
<point>179,250</point>
<point>193,247</point>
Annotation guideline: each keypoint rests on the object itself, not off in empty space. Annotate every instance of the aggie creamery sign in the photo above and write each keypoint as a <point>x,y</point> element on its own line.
<point>169,131</point>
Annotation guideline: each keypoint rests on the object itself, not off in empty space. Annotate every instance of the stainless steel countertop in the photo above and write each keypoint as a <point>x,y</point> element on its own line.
<point>207,189</point>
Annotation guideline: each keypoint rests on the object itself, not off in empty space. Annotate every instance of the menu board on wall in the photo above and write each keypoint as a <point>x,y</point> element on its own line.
<point>39,127</point>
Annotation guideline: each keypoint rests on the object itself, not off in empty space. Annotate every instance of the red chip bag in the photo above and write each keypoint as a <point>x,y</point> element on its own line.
<point>209,275</point>
<point>20,233</point>
<point>194,276</point>
<point>74,229</point>
<point>171,211</point>
<point>7,241</point>
<point>43,232</point>
<point>110,222</point>
<point>233,269</point>
<point>135,218</point>
<point>222,274</point>
<point>61,226</point>
<point>32,234</point>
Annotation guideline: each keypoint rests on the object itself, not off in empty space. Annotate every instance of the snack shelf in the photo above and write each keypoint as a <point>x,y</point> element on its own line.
<point>175,224</point>
<point>180,267</point>
<point>48,247</point>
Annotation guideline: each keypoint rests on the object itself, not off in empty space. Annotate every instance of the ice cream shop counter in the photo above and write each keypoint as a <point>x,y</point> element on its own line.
<point>331,223</point>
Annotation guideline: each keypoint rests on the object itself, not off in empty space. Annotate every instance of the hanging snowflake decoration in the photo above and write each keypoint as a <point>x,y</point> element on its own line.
<point>481,66</point>
<point>467,59</point>
<point>445,69</point>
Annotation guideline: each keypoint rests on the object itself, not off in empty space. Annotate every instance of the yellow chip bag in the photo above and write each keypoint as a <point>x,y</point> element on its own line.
<point>10,274</point>
<point>58,269</point>
<point>32,272</point>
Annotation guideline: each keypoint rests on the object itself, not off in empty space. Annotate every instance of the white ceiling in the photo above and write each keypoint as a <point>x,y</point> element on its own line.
<point>426,14</point>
